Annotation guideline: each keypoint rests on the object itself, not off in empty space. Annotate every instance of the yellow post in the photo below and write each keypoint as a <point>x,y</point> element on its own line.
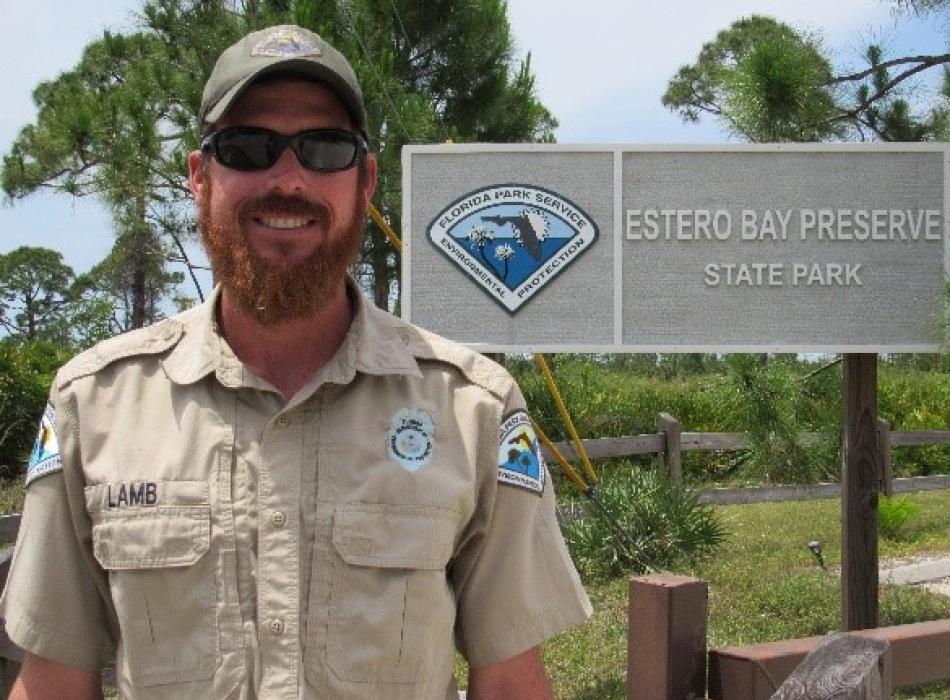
<point>565,416</point>
<point>560,459</point>
<point>384,225</point>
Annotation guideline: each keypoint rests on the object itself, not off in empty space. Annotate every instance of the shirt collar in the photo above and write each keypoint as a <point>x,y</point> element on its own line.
<point>372,345</point>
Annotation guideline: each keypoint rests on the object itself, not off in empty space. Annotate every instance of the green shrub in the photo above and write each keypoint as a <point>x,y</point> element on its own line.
<point>773,402</point>
<point>640,521</point>
<point>893,513</point>
<point>26,372</point>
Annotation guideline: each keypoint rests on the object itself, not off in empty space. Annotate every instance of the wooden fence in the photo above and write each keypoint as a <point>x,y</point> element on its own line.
<point>670,441</point>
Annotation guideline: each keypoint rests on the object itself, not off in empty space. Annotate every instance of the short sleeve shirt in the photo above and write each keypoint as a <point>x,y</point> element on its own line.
<point>225,543</point>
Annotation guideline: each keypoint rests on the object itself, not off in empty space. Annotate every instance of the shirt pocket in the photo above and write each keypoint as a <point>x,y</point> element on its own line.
<point>392,612</point>
<point>162,581</point>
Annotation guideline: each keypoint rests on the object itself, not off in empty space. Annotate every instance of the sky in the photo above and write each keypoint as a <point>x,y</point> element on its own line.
<point>600,65</point>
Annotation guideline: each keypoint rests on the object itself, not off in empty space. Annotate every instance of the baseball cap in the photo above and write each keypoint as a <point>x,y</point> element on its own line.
<point>285,48</point>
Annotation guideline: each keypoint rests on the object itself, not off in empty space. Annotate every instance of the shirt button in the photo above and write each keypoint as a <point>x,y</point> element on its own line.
<point>276,627</point>
<point>283,421</point>
<point>278,519</point>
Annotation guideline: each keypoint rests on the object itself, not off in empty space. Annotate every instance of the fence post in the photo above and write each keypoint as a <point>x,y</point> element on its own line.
<point>887,467</point>
<point>666,642</point>
<point>671,460</point>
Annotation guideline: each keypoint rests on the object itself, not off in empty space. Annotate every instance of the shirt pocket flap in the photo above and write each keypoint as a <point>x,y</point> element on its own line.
<point>164,536</point>
<point>392,536</point>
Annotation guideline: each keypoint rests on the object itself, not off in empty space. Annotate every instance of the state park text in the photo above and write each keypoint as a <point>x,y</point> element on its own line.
<point>899,226</point>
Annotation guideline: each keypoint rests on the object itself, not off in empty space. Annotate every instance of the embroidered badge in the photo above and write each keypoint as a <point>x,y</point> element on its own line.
<point>286,43</point>
<point>519,455</point>
<point>410,439</point>
<point>512,239</point>
<point>45,456</point>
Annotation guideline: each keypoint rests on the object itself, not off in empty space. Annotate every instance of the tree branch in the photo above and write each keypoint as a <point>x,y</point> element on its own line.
<point>863,105</point>
<point>929,61</point>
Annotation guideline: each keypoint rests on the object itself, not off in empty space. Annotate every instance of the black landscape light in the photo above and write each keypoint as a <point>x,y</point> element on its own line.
<point>815,547</point>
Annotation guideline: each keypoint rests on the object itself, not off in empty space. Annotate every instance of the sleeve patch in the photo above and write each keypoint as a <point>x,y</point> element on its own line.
<point>519,455</point>
<point>45,456</point>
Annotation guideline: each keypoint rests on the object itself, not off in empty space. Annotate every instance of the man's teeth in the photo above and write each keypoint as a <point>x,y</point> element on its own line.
<point>284,221</point>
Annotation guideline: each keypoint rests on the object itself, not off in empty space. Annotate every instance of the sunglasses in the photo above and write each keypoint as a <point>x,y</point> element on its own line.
<point>255,148</point>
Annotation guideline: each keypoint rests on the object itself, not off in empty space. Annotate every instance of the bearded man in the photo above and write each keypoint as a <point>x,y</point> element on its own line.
<point>285,492</point>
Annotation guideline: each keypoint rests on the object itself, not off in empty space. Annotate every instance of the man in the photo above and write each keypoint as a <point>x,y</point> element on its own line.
<point>285,492</point>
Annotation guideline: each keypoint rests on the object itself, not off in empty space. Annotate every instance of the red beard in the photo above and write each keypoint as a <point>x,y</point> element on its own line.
<point>271,293</point>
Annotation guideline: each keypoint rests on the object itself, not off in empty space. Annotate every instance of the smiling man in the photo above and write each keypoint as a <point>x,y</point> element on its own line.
<point>286,492</point>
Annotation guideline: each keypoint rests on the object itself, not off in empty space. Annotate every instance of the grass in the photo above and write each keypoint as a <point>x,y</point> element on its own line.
<point>764,585</point>
<point>11,496</point>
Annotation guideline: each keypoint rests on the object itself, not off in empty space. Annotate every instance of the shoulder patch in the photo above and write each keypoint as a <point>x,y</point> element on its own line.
<point>45,456</point>
<point>151,340</point>
<point>519,455</point>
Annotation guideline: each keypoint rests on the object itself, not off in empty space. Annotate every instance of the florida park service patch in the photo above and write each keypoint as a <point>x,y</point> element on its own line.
<point>519,455</point>
<point>45,456</point>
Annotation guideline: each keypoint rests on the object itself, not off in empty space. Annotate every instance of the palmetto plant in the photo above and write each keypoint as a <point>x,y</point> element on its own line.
<point>645,522</point>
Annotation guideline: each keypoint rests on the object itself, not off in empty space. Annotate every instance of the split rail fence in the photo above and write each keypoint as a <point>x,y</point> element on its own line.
<point>670,441</point>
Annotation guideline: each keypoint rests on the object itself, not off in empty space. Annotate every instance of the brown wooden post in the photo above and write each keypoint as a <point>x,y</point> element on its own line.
<point>666,643</point>
<point>860,479</point>
<point>672,458</point>
<point>887,466</point>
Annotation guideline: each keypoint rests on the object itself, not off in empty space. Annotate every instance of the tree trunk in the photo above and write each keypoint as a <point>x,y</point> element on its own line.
<point>139,261</point>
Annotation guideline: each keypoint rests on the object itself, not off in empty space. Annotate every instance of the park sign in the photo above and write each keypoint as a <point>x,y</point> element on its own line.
<point>755,248</point>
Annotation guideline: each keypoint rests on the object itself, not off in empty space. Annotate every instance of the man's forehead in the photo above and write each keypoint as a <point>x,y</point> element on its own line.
<point>288,95</point>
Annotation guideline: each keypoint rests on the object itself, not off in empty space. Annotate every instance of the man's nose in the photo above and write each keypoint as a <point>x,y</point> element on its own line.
<point>287,172</point>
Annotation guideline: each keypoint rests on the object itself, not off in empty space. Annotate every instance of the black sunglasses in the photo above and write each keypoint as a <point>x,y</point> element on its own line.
<point>255,148</point>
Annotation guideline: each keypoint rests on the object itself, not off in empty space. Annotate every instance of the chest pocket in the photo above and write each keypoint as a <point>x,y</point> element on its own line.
<point>392,612</point>
<point>161,577</point>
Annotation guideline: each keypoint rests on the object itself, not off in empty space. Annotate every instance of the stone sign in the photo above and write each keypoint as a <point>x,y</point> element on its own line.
<point>767,248</point>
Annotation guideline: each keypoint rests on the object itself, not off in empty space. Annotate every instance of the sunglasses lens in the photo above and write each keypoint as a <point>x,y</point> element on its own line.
<point>248,148</point>
<point>245,149</point>
<point>326,150</point>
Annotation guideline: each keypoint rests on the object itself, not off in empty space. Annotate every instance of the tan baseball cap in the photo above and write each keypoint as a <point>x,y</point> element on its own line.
<point>282,49</point>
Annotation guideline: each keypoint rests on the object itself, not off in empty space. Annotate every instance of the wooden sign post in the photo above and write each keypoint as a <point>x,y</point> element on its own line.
<point>860,484</point>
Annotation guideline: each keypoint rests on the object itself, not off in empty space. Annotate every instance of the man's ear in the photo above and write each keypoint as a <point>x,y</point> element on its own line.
<point>369,182</point>
<point>196,178</point>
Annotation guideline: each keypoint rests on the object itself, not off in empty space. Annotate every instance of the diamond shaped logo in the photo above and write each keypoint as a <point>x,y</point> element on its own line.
<point>512,240</point>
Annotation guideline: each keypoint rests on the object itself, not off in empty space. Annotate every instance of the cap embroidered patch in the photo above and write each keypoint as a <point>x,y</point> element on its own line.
<point>45,456</point>
<point>519,455</point>
<point>286,43</point>
<point>411,438</point>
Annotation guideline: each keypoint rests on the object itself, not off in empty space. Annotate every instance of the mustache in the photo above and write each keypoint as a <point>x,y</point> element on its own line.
<point>285,205</point>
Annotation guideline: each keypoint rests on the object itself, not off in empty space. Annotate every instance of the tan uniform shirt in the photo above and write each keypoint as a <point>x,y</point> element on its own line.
<point>229,544</point>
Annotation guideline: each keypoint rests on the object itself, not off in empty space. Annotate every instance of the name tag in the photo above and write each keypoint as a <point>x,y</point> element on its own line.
<point>133,493</point>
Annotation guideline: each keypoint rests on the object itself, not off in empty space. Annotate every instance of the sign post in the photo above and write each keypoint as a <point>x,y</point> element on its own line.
<point>861,479</point>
